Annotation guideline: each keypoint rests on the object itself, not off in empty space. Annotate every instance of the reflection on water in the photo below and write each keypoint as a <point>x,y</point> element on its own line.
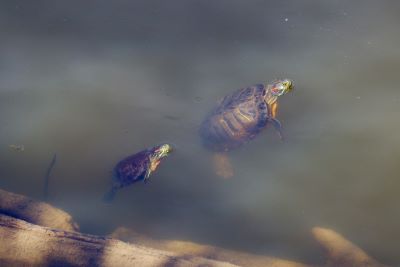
<point>96,86</point>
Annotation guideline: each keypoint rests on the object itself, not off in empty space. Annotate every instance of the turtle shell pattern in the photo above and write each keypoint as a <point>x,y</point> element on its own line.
<point>238,118</point>
<point>131,169</point>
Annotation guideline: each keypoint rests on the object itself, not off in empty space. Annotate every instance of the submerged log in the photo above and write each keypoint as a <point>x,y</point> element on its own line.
<point>25,244</point>
<point>35,212</point>
<point>54,243</point>
<point>185,248</point>
<point>341,252</point>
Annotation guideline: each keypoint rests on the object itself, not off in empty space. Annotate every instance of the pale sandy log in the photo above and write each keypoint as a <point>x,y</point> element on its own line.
<point>25,244</point>
<point>185,248</point>
<point>35,212</point>
<point>341,252</point>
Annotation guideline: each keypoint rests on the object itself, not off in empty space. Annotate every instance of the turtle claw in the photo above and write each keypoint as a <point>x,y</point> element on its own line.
<point>278,127</point>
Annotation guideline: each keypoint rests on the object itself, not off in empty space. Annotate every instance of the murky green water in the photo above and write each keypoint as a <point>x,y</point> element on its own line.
<point>94,82</point>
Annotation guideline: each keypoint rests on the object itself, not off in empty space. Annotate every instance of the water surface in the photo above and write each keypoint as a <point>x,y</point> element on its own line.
<point>97,81</point>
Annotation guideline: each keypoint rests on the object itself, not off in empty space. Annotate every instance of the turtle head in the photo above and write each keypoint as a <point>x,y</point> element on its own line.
<point>281,87</point>
<point>274,91</point>
<point>277,89</point>
<point>157,154</point>
<point>161,151</point>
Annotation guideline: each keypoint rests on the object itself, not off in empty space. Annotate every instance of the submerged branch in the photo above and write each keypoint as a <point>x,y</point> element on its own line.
<point>47,177</point>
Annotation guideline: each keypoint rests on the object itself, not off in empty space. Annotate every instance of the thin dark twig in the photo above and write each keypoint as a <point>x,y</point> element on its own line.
<point>47,176</point>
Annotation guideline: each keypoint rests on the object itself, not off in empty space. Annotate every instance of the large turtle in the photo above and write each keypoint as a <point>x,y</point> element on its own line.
<point>137,167</point>
<point>239,117</point>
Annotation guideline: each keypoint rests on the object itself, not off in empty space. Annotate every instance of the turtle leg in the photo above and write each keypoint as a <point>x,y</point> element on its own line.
<point>153,166</point>
<point>110,195</point>
<point>278,126</point>
<point>222,165</point>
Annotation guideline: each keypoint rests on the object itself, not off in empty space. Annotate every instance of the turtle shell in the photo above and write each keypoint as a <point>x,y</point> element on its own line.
<point>237,118</point>
<point>131,169</point>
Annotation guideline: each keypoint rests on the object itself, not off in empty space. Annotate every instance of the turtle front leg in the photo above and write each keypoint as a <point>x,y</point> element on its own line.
<point>222,165</point>
<point>147,175</point>
<point>278,126</point>
<point>272,119</point>
<point>274,109</point>
<point>153,166</point>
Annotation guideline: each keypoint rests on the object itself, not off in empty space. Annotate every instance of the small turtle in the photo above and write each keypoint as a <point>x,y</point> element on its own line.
<point>239,117</point>
<point>137,167</point>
